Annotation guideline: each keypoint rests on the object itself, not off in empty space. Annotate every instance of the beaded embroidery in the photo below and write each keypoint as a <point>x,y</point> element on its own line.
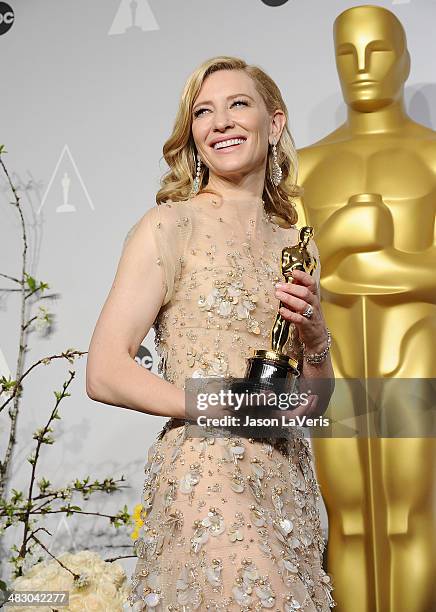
<point>229,524</point>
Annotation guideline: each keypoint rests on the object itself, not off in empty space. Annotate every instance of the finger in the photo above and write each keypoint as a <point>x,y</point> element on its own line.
<point>296,317</point>
<point>294,303</point>
<point>301,291</point>
<point>305,279</point>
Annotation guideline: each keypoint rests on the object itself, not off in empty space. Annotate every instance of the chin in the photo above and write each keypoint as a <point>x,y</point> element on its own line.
<point>368,103</point>
<point>232,167</point>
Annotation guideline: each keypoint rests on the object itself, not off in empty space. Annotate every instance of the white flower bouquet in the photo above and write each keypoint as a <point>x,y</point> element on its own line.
<point>101,586</point>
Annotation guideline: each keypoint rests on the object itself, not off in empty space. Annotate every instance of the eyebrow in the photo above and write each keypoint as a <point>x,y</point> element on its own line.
<point>347,45</point>
<point>228,98</point>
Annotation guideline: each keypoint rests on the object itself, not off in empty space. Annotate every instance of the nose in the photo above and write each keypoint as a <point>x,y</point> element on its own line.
<point>222,119</point>
<point>361,57</point>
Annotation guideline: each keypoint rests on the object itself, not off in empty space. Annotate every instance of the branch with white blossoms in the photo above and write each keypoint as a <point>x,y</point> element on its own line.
<point>11,388</point>
<point>25,509</point>
<point>28,287</point>
<point>29,508</point>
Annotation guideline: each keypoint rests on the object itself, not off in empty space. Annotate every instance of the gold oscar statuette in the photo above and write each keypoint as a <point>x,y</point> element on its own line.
<point>370,194</point>
<point>268,367</point>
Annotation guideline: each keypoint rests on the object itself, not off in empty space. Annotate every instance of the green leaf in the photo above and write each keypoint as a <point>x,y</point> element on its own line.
<point>31,283</point>
<point>8,383</point>
<point>16,496</point>
<point>43,484</point>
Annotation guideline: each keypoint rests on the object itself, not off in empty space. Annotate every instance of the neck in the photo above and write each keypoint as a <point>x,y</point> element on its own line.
<point>237,192</point>
<point>390,118</point>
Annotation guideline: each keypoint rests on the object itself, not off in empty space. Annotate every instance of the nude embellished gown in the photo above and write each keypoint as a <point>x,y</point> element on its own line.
<point>230,524</point>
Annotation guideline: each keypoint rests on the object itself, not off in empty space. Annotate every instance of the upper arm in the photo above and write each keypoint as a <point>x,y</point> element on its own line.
<point>134,300</point>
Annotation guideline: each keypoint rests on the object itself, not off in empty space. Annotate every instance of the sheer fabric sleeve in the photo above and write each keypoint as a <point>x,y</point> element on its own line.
<point>167,237</point>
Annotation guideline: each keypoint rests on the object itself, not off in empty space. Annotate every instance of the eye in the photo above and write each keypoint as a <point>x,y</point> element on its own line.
<point>199,111</point>
<point>345,49</point>
<point>240,102</point>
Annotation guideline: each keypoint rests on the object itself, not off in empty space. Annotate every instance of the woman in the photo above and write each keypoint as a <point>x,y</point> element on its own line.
<point>229,523</point>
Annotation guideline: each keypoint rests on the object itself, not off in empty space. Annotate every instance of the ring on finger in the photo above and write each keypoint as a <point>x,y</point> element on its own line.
<point>308,312</point>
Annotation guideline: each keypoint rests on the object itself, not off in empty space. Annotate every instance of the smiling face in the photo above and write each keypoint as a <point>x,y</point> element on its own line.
<point>228,106</point>
<point>371,56</point>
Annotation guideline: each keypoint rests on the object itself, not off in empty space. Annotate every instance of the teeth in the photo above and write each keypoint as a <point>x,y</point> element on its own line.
<point>228,143</point>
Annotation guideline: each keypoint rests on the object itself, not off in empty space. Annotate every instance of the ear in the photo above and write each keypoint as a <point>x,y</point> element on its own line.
<point>278,122</point>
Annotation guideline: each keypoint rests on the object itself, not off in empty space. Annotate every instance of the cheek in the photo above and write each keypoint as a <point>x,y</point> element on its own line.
<point>382,65</point>
<point>258,124</point>
<point>199,134</point>
<point>195,130</point>
<point>346,68</point>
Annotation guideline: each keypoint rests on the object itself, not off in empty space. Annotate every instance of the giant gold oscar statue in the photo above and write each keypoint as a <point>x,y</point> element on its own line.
<point>370,194</point>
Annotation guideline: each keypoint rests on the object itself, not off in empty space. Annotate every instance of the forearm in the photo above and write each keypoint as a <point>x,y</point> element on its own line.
<point>129,385</point>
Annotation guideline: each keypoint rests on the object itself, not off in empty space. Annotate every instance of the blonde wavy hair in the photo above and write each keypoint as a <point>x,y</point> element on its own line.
<point>179,150</point>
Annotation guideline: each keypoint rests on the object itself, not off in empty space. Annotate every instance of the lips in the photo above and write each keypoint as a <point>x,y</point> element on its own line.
<point>228,148</point>
<point>214,142</point>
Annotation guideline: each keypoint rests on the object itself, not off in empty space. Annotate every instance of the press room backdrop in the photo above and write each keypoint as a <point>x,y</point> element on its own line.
<point>89,95</point>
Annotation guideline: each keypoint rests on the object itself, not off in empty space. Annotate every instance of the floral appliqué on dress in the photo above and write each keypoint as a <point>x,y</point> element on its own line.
<point>230,524</point>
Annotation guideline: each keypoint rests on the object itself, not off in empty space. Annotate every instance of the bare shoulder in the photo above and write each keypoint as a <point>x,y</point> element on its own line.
<point>166,211</point>
<point>160,216</point>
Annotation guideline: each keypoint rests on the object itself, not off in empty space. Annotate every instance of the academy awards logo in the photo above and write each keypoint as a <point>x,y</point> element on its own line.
<point>61,182</point>
<point>274,2</point>
<point>63,538</point>
<point>6,17</point>
<point>133,16</point>
<point>144,358</point>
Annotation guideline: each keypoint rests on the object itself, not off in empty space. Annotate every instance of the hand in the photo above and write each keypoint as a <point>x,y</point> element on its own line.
<point>364,224</point>
<point>296,297</point>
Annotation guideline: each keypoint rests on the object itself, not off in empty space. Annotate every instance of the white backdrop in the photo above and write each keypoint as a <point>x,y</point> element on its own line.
<point>87,103</point>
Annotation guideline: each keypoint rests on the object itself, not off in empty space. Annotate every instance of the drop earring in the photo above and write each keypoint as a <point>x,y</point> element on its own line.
<point>196,184</point>
<point>277,171</point>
